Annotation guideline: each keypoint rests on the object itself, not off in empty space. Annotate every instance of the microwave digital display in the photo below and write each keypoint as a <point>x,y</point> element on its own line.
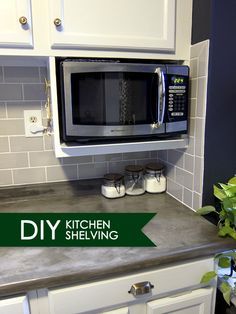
<point>177,80</point>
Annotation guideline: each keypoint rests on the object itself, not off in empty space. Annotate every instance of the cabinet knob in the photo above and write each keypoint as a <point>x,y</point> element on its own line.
<point>57,22</point>
<point>23,20</point>
<point>141,288</point>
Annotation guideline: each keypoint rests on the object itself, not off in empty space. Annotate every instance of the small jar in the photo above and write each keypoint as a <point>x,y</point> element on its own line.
<point>134,180</point>
<point>113,185</point>
<point>155,181</point>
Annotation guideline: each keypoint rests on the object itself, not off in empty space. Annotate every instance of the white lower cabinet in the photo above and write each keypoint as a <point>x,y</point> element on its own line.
<point>115,296</point>
<point>195,302</point>
<point>17,305</point>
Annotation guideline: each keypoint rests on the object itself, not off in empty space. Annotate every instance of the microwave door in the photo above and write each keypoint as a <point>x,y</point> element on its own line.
<point>115,100</point>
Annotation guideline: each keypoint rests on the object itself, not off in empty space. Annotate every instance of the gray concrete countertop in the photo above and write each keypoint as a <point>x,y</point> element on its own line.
<point>178,232</point>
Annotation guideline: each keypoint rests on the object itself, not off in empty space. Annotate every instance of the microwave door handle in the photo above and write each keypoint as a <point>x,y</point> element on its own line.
<point>161,97</point>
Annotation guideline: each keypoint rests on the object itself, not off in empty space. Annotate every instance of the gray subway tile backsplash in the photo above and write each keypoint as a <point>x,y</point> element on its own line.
<point>32,160</point>
<point>184,178</point>
<point>175,189</point>
<point>4,144</point>
<point>201,96</point>
<point>26,144</point>
<point>176,158</point>
<point>13,160</point>
<point>48,142</point>
<point>1,74</point>
<point>194,68</point>
<point>12,127</point>
<point>188,198</point>
<point>189,163</point>
<point>162,155</point>
<point>197,203</point>
<point>198,174</point>
<point>3,112</point>
<point>199,138</point>
<point>16,109</point>
<point>136,155</point>
<point>29,176</point>
<point>203,59</point>
<point>170,171</point>
<point>43,159</point>
<point>95,170</point>
<point>16,74</point>
<point>11,92</point>
<point>193,88</point>
<point>108,157</point>
<point>77,160</point>
<point>191,146</point>
<point>119,166</point>
<point>43,74</point>
<point>5,177</point>
<point>192,123</point>
<point>61,173</point>
<point>34,92</point>
<point>193,105</point>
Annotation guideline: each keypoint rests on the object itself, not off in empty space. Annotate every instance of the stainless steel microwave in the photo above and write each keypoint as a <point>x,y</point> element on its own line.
<point>121,101</point>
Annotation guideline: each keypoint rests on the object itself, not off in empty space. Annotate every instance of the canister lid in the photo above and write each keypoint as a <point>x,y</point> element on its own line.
<point>155,166</point>
<point>113,177</point>
<point>134,168</point>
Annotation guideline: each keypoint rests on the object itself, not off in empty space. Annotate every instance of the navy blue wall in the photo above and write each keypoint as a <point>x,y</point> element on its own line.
<point>201,20</point>
<point>216,20</point>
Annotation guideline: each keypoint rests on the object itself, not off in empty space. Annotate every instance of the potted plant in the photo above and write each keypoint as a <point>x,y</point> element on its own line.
<point>226,195</point>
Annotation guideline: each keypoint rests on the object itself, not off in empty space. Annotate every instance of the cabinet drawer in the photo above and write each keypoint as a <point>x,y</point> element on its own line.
<point>107,293</point>
<point>18,305</point>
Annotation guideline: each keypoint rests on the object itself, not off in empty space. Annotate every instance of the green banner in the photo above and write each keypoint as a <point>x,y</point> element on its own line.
<point>74,229</point>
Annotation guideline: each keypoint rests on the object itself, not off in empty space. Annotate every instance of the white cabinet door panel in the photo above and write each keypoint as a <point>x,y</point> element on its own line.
<point>133,24</point>
<point>18,305</point>
<point>196,302</point>
<point>12,32</point>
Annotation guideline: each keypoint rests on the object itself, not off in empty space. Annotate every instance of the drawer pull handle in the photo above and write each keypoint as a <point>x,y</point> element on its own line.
<point>141,288</point>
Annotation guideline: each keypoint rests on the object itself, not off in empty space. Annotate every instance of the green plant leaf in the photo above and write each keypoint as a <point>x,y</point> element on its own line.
<point>224,262</point>
<point>233,200</point>
<point>232,180</point>
<point>231,191</point>
<point>219,193</point>
<point>205,210</point>
<point>224,186</point>
<point>227,203</point>
<point>227,230</point>
<point>207,277</point>
<point>226,289</point>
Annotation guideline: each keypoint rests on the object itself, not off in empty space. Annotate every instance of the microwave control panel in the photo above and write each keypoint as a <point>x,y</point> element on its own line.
<point>176,98</point>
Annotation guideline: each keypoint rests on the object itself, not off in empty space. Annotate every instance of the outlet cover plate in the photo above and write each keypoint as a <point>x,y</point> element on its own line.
<point>32,117</point>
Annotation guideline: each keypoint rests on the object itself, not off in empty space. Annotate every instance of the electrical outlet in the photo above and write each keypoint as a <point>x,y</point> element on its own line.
<point>33,120</point>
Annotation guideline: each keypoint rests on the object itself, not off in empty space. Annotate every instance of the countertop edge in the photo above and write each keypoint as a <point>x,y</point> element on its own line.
<point>78,278</point>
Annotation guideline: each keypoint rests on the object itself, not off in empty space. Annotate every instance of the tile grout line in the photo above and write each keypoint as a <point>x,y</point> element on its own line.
<point>12,177</point>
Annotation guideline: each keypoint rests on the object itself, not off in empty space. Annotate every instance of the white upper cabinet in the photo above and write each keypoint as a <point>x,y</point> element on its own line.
<point>15,24</point>
<point>108,24</point>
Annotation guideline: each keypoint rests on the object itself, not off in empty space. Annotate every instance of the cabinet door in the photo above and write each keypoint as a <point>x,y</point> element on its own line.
<point>18,305</point>
<point>15,24</point>
<point>195,302</point>
<point>134,24</point>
